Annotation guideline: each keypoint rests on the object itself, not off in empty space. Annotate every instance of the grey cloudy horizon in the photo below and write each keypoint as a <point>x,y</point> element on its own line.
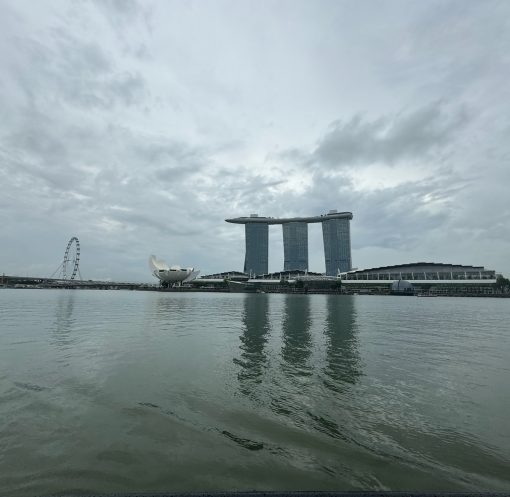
<point>140,126</point>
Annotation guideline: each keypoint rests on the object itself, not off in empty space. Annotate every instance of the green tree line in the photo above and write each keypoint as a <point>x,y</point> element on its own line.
<point>502,283</point>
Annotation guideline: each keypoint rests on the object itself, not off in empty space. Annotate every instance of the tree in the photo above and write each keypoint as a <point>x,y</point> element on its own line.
<point>502,283</point>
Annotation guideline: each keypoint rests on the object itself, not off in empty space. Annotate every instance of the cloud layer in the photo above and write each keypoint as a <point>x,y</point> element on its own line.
<point>139,127</point>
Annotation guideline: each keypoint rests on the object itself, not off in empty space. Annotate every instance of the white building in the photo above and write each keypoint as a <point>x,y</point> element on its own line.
<point>171,274</point>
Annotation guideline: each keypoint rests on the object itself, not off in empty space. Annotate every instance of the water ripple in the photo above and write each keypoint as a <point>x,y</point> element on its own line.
<point>118,392</point>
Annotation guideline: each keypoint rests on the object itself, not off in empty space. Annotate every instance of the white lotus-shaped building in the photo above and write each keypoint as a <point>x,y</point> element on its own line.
<point>171,274</point>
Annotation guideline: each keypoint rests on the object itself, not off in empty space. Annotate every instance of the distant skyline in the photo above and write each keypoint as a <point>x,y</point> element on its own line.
<point>139,127</point>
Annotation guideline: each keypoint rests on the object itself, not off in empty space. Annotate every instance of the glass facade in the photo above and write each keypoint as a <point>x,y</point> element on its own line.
<point>337,245</point>
<point>295,246</point>
<point>255,262</point>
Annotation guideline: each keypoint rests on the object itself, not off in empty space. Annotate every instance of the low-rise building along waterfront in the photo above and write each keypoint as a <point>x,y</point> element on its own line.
<point>430,277</point>
<point>422,271</point>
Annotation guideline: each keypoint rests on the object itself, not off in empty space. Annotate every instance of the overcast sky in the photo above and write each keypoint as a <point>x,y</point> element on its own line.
<point>140,126</point>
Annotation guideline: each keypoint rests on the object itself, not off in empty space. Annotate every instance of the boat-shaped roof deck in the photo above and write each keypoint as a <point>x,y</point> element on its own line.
<point>282,220</point>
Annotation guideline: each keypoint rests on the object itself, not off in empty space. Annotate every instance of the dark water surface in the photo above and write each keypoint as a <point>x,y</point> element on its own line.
<point>104,391</point>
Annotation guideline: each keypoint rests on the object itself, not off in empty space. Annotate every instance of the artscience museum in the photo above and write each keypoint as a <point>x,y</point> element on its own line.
<point>171,275</point>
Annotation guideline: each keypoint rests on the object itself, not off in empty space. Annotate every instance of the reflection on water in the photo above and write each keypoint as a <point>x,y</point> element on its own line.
<point>297,339</point>
<point>340,356</point>
<point>170,310</point>
<point>320,343</point>
<point>343,364</point>
<point>64,321</point>
<point>253,338</point>
<point>171,392</point>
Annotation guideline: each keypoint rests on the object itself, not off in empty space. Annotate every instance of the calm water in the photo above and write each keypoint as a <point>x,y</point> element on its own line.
<point>139,391</point>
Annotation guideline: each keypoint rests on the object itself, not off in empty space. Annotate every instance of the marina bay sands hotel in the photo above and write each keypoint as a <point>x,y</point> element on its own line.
<point>335,232</point>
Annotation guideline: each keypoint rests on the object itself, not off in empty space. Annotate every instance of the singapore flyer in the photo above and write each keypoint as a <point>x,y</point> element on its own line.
<point>71,262</point>
<point>70,266</point>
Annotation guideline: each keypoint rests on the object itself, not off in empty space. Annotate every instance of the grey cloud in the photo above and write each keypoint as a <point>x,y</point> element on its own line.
<point>44,148</point>
<point>253,185</point>
<point>127,87</point>
<point>398,217</point>
<point>171,154</point>
<point>174,175</point>
<point>141,52</point>
<point>123,89</point>
<point>171,162</point>
<point>122,12</point>
<point>453,47</point>
<point>34,156</point>
<point>156,222</point>
<point>410,135</point>
<point>291,155</point>
<point>80,59</point>
<point>78,72</point>
<point>245,190</point>
<point>128,17</point>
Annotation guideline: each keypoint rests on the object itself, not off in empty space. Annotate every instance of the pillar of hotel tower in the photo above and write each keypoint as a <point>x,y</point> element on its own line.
<point>337,245</point>
<point>295,246</point>
<point>255,261</point>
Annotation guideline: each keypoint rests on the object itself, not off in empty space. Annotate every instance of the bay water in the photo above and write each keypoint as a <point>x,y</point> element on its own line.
<point>125,391</point>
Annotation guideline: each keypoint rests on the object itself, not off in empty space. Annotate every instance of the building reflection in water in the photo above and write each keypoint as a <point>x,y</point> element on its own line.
<point>343,362</point>
<point>256,329</point>
<point>297,339</point>
<point>338,364</point>
<point>170,309</point>
<point>64,320</point>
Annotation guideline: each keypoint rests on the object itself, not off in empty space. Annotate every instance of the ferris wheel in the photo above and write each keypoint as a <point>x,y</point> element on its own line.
<point>70,266</point>
<point>71,262</point>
